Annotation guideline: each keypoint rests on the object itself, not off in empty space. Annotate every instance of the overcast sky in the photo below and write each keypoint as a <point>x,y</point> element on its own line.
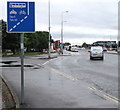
<point>87,20</point>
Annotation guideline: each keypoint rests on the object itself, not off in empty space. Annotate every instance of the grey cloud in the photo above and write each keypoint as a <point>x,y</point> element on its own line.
<point>68,35</point>
<point>83,14</point>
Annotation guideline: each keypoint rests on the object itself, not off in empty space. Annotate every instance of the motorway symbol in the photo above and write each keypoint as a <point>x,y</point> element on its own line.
<point>20,17</point>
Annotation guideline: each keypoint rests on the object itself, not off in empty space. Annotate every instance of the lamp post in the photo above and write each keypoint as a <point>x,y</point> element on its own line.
<point>49,29</point>
<point>62,21</point>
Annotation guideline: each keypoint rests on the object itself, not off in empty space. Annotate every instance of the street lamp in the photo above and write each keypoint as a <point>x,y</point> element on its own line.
<point>49,35</point>
<point>62,21</point>
<point>49,29</point>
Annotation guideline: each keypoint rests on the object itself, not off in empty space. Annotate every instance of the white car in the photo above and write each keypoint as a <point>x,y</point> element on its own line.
<point>74,49</point>
<point>68,48</point>
<point>96,52</point>
<point>104,49</point>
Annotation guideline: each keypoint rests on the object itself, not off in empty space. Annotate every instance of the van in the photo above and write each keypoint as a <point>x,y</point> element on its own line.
<point>96,52</point>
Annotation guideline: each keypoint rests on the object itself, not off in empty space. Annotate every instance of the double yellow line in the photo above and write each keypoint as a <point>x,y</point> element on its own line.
<point>105,95</point>
<point>63,74</point>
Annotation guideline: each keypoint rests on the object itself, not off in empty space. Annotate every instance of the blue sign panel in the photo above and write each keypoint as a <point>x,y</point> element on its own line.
<point>20,17</point>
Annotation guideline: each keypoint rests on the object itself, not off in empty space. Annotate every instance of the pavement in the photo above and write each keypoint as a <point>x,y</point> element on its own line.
<point>8,98</point>
<point>112,52</point>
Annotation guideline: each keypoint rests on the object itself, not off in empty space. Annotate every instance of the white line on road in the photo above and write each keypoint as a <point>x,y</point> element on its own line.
<point>45,63</point>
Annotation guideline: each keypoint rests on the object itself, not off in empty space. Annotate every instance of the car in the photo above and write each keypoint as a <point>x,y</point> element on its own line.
<point>96,52</point>
<point>68,48</point>
<point>104,49</point>
<point>74,49</point>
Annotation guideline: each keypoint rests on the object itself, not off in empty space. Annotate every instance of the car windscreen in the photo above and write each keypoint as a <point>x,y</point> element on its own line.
<point>96,49</point>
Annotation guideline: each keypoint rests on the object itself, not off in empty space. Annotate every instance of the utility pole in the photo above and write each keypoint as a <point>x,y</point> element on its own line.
<point>49,30</point>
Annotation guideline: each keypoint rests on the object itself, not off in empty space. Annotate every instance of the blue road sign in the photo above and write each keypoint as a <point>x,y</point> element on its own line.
<point>20,17</point>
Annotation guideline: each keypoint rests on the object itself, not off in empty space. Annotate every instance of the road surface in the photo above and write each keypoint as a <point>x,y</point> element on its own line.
<point>69,81</point>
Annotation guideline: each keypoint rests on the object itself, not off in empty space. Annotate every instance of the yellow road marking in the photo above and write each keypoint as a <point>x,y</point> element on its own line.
<point>107,96</point>
<point>114,100</point>
<point>63,74</point>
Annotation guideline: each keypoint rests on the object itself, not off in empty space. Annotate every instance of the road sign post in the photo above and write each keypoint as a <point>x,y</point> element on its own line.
<point>22,67</point>
<point>21,19</point>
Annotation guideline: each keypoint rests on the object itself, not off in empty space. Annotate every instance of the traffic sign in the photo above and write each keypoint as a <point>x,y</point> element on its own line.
<point>58,43</point>
<point>20,17</point>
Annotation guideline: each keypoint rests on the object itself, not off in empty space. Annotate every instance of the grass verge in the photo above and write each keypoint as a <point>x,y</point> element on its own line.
<point>25,54</point>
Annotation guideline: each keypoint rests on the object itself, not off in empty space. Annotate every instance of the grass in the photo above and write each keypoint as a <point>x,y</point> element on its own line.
<point>26,54</point>
<point>33,53</point>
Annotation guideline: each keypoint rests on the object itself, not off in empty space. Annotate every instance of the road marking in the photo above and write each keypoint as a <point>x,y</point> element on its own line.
<point>45,62</point>
<point>63,74</point>
<point>105,95</point>
<point>59,72</point>
<point>116,101</point>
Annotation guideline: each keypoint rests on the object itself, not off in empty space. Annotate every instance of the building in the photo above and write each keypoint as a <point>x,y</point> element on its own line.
<point>107,44</point>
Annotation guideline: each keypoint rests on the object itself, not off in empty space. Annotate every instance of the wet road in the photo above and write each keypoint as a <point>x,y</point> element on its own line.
<point>101,74</point>
<point>69,81</point>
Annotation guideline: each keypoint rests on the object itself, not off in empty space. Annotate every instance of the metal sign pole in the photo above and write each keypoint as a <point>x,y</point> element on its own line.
<point>22,68</point>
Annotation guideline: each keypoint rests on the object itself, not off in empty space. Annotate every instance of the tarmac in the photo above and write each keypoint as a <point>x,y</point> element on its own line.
<point>7,96</point>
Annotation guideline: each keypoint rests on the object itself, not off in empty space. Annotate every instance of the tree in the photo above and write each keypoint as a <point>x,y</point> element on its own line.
<point>30,41</point>
<point>10,40</point>
<point>67,43</point>
<point>37,41</point>
<point>42,40</point>
<point>84,45</point>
